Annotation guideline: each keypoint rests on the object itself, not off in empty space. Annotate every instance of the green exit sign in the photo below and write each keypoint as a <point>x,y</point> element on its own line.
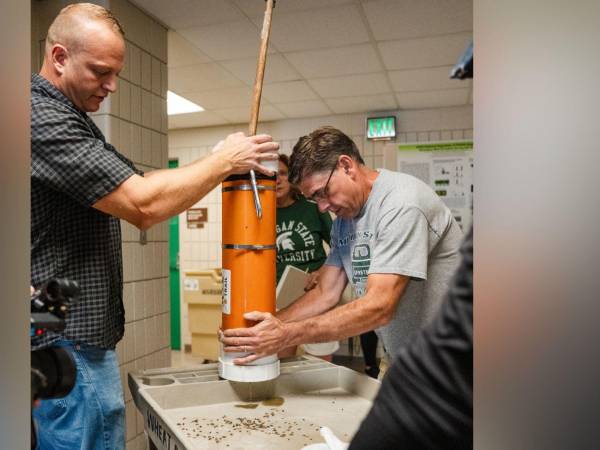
<point>381,127</point>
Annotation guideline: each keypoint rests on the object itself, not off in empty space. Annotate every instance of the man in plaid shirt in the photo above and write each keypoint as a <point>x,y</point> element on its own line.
<point>80,188</point>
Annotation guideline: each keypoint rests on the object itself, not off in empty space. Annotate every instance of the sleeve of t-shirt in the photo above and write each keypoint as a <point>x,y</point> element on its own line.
<point>401,243</point>
<point>334,258</point>
<point>68,158</point>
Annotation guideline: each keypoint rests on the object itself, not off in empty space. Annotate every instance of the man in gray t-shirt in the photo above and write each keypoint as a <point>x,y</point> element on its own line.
<point>403,229</point>
<point>394,240</point>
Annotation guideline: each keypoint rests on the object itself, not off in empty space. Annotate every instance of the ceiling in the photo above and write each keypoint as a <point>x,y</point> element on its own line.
<point>325,56</point>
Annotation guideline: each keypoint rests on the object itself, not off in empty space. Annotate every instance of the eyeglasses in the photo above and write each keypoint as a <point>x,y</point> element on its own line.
<point>321,194</point>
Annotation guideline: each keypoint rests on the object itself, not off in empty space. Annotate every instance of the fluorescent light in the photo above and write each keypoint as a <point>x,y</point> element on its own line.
<point>176,104</point>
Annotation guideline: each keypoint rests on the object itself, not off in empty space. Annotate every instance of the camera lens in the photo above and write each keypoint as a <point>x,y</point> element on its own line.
<point>58,369</point>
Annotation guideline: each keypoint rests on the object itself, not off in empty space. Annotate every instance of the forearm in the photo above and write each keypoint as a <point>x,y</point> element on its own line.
<point>168,192</point>
<point>312,303</point>
<point>362,315</point>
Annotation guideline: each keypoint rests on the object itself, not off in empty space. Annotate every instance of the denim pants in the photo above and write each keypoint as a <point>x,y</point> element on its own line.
<point>92,416</point>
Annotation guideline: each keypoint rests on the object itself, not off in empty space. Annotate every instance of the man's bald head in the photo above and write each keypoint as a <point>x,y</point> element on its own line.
<point>85,52</point>
<point>67,27</point>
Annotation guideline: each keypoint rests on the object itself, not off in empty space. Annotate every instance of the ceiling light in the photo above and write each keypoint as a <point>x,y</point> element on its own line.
<point>176,104</point>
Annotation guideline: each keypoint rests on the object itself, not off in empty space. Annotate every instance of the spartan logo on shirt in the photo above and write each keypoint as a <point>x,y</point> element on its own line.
<point>295,242</point>
<point>361,260</point>
<point>284,241</point>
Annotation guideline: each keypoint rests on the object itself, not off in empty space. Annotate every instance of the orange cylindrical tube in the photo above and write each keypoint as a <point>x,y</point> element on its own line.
<point>248,251</point>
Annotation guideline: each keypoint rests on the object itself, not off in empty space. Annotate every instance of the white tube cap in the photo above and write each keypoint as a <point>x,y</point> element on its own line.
<point>262,369</point>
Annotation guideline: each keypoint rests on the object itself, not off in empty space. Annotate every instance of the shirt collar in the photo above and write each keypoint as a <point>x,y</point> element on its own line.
<point>42,86</point>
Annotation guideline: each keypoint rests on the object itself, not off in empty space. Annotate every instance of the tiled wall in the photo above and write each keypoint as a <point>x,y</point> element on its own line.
<point>200,248</point>
<point>134,120</point>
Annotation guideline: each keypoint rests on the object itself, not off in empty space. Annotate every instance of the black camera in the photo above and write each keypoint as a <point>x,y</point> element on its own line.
<point>53,371</point>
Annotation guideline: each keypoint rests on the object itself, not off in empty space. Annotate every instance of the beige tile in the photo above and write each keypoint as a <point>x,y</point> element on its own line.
<point>128,301</point>
<point>155,75</point>
<point>127,258</point>
<point>146,147</point>
<point>157,105</point>
<point>146,71</point>
<point>146,257</point>
<point>156,155</point>
<point>139,419</point>
<point>125,138</point>
<point>130,426</point>
<point>146,108</point>
<point>138,262</point>
<point>136,104</point>
<point>114,102</point>
<point>136,144</point>
<point>120,350</point>
<point>164,268</point>
<point>124,100</point>
<point>446,135</point>
<point>126,66</point>
<point>138,298</point>
<point>167,328</point>
<point>139,338</point>
<point>164,85</point>
<point>149,299</point>
<point>166,295</point>
<point>141,441</point>
<point>164,153</point>
<point>135,64</point>
<point>457,134</point>
<point>158,300</point>
<point>129,342</point>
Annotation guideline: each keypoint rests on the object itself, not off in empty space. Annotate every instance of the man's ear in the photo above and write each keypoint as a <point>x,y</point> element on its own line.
<point>346,163</point>
<point>59,58</point>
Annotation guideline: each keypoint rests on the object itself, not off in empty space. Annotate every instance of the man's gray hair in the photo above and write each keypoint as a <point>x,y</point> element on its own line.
<point>319,152</point>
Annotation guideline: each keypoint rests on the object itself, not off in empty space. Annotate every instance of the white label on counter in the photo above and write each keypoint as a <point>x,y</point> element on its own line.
<point>191,284</point>
<point>226,296</point>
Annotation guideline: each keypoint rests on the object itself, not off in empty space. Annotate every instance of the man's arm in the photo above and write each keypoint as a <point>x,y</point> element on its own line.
<point>326,294</point>
<point>375,309</point>
<point>160,194</point>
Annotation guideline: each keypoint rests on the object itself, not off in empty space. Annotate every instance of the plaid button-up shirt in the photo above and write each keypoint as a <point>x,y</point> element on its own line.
<point>72,167</point>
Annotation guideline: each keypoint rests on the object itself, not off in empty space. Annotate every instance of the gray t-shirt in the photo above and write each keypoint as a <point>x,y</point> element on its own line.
<point>403,228</point>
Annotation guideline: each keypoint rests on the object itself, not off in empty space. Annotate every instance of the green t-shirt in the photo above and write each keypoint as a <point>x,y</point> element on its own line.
<point>301,230</point>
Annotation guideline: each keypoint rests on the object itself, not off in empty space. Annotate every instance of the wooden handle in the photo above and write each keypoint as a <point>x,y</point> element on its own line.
<point>260,68</point>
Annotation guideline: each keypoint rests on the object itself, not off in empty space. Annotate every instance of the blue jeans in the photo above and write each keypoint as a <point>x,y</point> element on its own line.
<point>92,416</point>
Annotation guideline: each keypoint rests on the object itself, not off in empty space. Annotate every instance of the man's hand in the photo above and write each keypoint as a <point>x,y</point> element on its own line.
<point>267,337</point>
<point>246,152</point>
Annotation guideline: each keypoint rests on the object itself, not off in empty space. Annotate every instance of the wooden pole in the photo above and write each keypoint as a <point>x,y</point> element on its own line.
<point>258,84</point>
